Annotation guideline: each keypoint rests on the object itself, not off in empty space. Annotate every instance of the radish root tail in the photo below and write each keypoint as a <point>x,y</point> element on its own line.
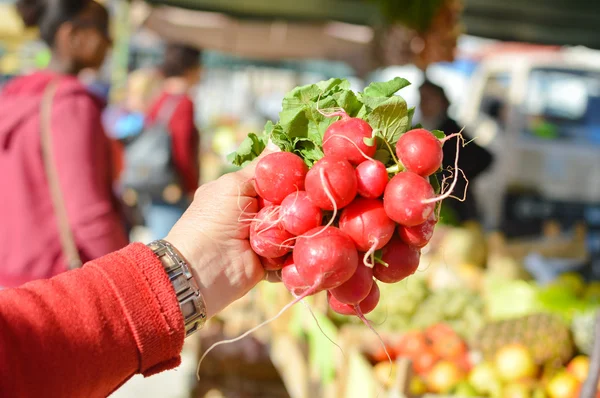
<point>454,181</point>
<point>361,316</point>
<point>307,293</point>
<point>370,253</point>
<point>322,331</point>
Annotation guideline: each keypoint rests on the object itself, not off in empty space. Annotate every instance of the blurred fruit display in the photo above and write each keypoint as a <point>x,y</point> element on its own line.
<point>546,336</point>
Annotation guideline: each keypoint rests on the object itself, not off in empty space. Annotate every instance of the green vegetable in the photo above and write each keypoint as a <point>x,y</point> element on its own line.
<point>302,121</point>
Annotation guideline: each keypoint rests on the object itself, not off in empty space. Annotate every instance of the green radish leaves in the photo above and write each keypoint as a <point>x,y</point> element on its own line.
<point>391,118</point>
<point>303,119</point>
<point>250,148</point>
<point>439,134</point>
<point>386,89</point>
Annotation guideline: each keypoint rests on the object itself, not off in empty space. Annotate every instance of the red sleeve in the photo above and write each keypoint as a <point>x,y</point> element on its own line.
<point>85,332</point>
<point>185,144</point>
<point>83,157</point>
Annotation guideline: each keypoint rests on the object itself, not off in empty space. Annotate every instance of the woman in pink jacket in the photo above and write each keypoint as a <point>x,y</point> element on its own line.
<point>30,248</point>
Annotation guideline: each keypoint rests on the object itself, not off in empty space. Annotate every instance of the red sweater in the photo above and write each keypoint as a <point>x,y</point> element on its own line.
<point>185,139</point>
<point>85,332</point>
<point>30,245</point>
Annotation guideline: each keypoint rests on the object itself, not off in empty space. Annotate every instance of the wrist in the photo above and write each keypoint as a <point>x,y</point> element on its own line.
<point>189,296</point>
<point>204,265</point>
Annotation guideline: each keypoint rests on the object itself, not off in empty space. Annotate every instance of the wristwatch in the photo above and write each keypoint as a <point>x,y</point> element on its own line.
<point>190,299</point>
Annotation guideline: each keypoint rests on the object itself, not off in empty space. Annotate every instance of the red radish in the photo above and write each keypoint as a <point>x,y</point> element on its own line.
<point>326,256</point>
<point>365,306</point>
<point>299,214</point>
<point>263,203</point>
<point>366,222</point>
<point>267,234</point>
<point>406,199</point>
<point>371,177</point>
<point>291,279</point>
<point>402,260</point>
<point>420,151</point>
<point>331,179</point>
<point>273,264</point>
<point>355,289</point>
<point>419,235</point>
<point>279,174</point>
<point>345,139</point>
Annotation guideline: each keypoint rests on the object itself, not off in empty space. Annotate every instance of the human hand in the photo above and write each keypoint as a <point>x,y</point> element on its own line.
<point>213,237</point>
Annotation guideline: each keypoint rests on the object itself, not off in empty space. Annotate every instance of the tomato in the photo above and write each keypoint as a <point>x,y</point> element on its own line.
<point>464,362</point>
<point>449,347</point>
<point>411,344</point>
<point>424,361</point>
<point>439,331</point>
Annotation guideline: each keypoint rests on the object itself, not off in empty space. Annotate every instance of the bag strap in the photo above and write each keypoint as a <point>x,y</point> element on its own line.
<point>67,240</point>
<point>167,109</point>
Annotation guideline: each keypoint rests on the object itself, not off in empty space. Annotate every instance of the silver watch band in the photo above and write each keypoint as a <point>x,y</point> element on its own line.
<point>190,299</point>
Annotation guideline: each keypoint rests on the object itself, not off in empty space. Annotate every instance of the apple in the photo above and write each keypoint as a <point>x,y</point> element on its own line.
<point>563,385</point>
<point>517,390</point>
<point>484,378</point>
<point>417,386</point>
<point>385,373</point>
<point>514,362</point>
<point>444,376</point>
<point>579,367</point>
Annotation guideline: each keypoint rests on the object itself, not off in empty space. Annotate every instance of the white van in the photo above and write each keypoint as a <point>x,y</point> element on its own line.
<point>539,113</point>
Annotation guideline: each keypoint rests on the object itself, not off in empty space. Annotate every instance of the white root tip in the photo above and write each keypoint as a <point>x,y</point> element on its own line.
<point>370,253</point>
<point>284,309</point>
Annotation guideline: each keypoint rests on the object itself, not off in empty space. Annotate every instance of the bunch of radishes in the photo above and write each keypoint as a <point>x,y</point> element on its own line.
<point>349,220</point>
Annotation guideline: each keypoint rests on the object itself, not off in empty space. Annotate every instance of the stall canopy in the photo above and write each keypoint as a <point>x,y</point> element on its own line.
<point>561,22</point>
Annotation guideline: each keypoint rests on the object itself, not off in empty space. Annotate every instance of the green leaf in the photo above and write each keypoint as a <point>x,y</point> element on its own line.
<point>391,117</point>
<point>435,184</point>
<point>304,93</point>
<point>372,102</point>
<point>333,83</point>
<point>294,122</point>
<point>250,148</point>
<point>308,150</point>
<point>439,134</point>
<point>383,155</point>
<point>348,100</point>
<point>282,140</point>
<point>369,141</point>
<point>301,97</point>
<point>386,89</point>
<point>363,113</point>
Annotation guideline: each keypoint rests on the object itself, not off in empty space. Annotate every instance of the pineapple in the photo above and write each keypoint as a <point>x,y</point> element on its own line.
<point>546,335</point>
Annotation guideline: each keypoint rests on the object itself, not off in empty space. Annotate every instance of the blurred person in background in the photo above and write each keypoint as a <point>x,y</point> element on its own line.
<point>161,164</point>
<point>56,190</point>
<point>125,119</point>
<point>473,159</point>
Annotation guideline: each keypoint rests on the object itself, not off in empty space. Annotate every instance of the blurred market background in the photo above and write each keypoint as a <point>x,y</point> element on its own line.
<point>502,305</point>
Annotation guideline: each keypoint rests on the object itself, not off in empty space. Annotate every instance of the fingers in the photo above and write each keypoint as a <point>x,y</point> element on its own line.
<point>246,186</point>
<point>273,276</point>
